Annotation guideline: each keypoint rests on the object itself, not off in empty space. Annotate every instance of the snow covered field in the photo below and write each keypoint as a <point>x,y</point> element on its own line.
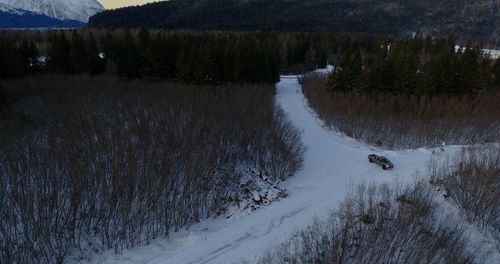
<point>333,164</point>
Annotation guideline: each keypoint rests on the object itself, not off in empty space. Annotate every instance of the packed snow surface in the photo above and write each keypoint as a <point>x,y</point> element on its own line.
<point>79,10</point>
<point>333,164</point>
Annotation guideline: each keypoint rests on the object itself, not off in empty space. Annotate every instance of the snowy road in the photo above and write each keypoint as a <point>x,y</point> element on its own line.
<point>332,164</point>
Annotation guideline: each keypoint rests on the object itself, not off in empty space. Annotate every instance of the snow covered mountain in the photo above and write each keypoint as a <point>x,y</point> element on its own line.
<point>79,10</point>
<point>17,18</point>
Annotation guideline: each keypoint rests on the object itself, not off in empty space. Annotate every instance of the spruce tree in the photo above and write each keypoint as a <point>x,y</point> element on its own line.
<point>3,98</point>
<point>59,53</point>
<point>79,54</point>
<point>469,76</point>
<point>95,59</point>
<point>110,49</point>
<point>183,66</point>
<point>496,74</point>
<point>129,64</point>
<point>29,53</point>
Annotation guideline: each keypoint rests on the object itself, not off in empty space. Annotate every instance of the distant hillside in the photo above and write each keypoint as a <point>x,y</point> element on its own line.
<point>463,18</point>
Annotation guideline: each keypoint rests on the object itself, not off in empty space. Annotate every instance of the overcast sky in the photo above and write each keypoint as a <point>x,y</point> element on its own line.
<point>121,3</point>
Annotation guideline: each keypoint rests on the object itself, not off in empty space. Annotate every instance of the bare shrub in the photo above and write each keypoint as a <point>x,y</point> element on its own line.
<point>403,121</point>
<point>472,180</point>
<point>378,225</point>
<point>102,163</point>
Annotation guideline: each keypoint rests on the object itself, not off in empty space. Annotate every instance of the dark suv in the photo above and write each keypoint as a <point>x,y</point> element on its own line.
<point>381,160</point>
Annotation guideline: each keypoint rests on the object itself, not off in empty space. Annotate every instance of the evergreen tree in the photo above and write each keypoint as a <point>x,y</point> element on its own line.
<point>405,75</point>
<point>59,53</point>
<point>11,61</point>
<point>469,75</point>
<point>128,58</point>
<point>3,98</point>
<point>95,59</point>
<point>79,55</point>
<point>143,50</point>
<point>29,53</point>
<point>110,51</point>
<point>496,74</point>
<point>183,66</point>
<point>347,76</point>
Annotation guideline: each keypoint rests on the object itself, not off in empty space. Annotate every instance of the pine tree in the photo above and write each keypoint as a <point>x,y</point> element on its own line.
<point>29,55</point>
<point>496,74</point>
<point>469,71</point>
<point>11,61</point>
<point>3,98</point>
<point>183,66</point>
<point>95,59</point>
<point>129,63</point>
<point>405,72</point>
<point>79,54</point>
<point>110,49</point>
<point>59,53</point>
<point>143,50</point>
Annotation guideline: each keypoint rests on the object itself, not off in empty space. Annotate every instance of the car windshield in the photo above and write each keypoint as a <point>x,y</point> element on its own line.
<point>384,159</point>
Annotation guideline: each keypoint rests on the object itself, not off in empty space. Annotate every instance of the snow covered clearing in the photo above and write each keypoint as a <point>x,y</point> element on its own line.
<point>333,164</point>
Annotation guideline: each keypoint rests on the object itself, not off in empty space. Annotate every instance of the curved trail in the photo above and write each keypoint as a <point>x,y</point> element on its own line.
<point>332,164</point>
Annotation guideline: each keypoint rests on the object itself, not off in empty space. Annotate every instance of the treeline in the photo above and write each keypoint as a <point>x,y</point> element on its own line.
<point>95,163</point>
<point>417,67</point>
<point>190,57</point>
<point>193,57</point>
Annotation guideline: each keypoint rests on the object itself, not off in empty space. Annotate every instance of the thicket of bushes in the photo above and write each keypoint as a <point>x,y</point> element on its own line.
<point>472,180</point>
<point>103,163</point>
<point>379,224</point>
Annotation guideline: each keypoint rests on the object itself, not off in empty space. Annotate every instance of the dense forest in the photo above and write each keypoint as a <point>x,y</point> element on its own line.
<point>470,19</point>
<point>418,67</point>
<point>197,58</point>
<point>410,93</point>
<point>194,57</point>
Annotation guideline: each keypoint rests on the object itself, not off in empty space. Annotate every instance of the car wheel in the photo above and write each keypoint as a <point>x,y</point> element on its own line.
<point>370,160</point>
<point>384,167</point>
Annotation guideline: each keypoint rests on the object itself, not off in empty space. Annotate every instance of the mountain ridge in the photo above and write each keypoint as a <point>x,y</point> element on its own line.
<point>77,10</point>
<point>462,18</point>
<point>14,18</point>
